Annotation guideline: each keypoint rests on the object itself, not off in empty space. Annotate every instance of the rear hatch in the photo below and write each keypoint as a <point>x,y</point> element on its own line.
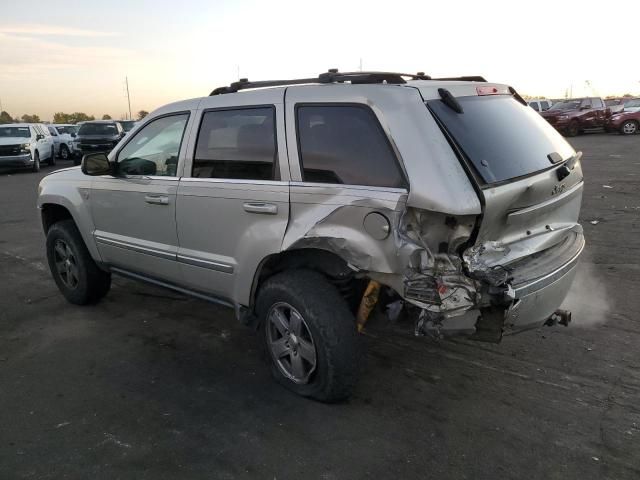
<point>528,177</point>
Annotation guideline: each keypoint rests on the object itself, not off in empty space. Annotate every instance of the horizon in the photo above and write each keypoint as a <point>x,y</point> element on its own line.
<point>68,65</point>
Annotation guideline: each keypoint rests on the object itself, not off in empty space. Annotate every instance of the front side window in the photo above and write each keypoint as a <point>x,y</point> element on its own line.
<point>154,149</point>
<point>544,105</point>
<point>52,131</point>
<point>345,144</point>
<point>237,144</point>
<point>596,103</point>
<point>534,105</point>
<point>586,103</point>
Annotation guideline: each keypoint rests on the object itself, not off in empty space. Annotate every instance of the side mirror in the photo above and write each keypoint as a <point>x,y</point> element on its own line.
<point>96,164</point>
<point>39,137</point>
<point>73,135</point>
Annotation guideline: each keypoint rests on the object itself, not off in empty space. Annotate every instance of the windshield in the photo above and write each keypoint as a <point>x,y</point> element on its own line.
<point>127,125</point>
<point>21,132</point>
<point>502,138</point>
<point>66,129</point>
<point>567,105</point>
<point>98,129</point>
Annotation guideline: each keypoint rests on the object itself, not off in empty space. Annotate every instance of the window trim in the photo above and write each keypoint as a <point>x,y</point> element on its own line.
<point>116,158</point>
<point>276,153</point>
<point>385,136</point>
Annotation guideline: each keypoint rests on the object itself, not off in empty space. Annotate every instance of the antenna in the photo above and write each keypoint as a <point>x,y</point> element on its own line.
<point>126,81</point>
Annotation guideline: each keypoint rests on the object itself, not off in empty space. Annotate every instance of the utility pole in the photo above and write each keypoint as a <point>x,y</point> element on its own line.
<point>126,81</point>
<point>360,63</point>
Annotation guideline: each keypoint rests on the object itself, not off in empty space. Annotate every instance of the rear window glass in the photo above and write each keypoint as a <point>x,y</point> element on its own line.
<point>503,138</point>
<point>98,129</point>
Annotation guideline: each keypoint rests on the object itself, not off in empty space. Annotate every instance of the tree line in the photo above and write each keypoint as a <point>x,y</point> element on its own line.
<point>59,117</point>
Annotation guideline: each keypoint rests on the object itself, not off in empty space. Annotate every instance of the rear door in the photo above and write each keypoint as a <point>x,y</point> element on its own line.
<point>233,201</point>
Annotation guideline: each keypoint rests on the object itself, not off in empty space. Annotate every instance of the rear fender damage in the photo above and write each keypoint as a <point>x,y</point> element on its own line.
<point>419,259</point>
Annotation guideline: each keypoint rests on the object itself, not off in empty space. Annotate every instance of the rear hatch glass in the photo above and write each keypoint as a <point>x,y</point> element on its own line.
<point>502,138</point>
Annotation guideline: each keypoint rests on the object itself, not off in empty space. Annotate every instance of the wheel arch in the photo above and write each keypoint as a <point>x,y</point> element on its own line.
<point>329,264</point>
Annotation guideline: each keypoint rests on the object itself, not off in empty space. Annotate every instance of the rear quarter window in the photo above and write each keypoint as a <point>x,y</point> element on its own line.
<point>345,144</point>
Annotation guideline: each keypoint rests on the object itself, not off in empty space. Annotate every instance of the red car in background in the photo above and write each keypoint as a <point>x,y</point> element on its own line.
<point>627,121</point>
<point>573,116</point>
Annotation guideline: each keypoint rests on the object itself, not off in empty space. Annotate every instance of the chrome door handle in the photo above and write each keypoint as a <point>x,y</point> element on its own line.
<point>157,199</point>
<point>268,208</point>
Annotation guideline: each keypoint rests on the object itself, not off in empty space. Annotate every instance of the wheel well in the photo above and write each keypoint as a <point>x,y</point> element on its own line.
<point>329,264</point>
<point>53,213</point>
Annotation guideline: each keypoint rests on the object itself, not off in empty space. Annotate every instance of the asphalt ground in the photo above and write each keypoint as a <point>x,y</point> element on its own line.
<point>149,384</point>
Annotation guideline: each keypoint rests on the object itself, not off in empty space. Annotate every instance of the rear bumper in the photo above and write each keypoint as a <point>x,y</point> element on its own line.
<point>16,161</point>
<point>536,300</point>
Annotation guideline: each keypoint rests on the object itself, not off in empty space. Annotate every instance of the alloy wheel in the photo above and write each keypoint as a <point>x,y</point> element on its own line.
<point>66,264</point>
<point>629,128</point>
<point>290,343</point>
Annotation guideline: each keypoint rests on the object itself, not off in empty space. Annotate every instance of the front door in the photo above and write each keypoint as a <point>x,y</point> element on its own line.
<point>134,212</point>
<point>233,201</point>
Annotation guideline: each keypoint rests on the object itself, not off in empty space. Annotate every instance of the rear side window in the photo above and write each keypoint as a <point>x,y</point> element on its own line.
<point>596,103</point>
<point>237,144</point>
<point>502,138</point>
<point>345,144</point>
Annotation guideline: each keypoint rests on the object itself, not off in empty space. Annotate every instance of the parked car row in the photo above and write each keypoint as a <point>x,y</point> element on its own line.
<point>577,115</point>
<point>27,145</point>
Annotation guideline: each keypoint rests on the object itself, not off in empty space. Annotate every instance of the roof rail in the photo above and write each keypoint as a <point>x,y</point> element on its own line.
<point>331,76</point>
<point>467,78</point>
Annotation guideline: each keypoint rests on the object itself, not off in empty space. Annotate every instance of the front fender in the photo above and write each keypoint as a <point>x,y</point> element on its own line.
<point>71,189</point>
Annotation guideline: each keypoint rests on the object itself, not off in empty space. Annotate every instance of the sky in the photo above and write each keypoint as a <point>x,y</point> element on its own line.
<point>74,55</point>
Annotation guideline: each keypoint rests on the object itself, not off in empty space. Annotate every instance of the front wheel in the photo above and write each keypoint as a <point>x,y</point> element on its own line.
<point>64,152</point>
<point>573,129</point>
<point>52,158</point>
<point>310,335</point>
<point>78,277</point>
<point>629,127</point>
<point>36,162</point>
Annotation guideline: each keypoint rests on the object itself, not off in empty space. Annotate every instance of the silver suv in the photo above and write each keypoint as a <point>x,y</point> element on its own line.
<point>302,203</point>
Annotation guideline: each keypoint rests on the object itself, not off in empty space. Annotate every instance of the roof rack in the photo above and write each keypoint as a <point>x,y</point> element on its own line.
<point>331,76</point>
<point>467,78</point>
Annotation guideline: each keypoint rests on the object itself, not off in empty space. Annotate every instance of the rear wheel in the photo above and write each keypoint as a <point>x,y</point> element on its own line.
<point>78,277</point>
<point>36,162</point>
<point>629,127</point>
<point>309,334</point>
<point>573,129</point>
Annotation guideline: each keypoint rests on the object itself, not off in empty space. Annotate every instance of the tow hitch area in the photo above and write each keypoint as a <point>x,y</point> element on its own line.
<point>562,317</point>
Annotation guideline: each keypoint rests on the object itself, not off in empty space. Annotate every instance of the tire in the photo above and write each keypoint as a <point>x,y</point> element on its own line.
<point>52,158</point>
<point>327,327</point>
<point>36,162</point>
<point>573,129</point>
<point>64,152</point>
<point>78,277</point>
<point>630,127</point>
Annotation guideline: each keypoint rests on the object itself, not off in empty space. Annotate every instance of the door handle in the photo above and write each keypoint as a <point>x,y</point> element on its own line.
<point>157,199</point>
<point>268,208</point>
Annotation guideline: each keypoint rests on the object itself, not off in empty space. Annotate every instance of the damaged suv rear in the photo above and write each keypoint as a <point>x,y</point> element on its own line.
<point>297,201</point>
